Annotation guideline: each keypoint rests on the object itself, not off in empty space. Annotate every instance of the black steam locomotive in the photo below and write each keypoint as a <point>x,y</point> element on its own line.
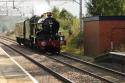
<point>40,34</point>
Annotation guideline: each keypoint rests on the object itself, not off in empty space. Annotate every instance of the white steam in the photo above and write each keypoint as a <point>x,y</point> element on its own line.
<point>40,7</point>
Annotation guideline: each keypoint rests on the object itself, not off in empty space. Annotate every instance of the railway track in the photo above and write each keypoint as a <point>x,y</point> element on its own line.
<point>35,71</point>
<point>53,73</point>
<point>72,74</point>
<point>92,64</point>
<point>110,77</point>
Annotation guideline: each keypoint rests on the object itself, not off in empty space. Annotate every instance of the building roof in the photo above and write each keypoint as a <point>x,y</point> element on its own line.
<point>96,18</point>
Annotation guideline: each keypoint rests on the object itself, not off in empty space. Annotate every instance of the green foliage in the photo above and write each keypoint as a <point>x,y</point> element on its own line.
<point>65,18</point>
<point>64,14</point>
<point>56,12</point>
<point>75,44</point>
<point>105,7</point>
<point>77,40</point>
<point>69,25</point>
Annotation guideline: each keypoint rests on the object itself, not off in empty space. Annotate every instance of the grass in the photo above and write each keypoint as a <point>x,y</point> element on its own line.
<point>73,50</point>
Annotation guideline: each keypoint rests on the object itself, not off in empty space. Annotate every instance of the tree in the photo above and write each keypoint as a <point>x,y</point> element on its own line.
<point>67,19</point>
<point>105,7</point>
<point>69,26</point>
<point>66,15</point>
<point>56,12</point>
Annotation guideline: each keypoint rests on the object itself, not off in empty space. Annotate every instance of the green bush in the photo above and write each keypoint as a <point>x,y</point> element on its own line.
<point>76,41</point>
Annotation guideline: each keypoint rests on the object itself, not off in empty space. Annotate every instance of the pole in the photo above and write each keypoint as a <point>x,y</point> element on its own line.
<point>80,16</point>
<point>81,27</point>
<point>6,9</point>
<point>13,4</point>
<point>32,11</point>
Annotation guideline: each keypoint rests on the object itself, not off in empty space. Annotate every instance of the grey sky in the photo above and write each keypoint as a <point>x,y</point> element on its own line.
<point>71,6</point>
<point>41,6</point>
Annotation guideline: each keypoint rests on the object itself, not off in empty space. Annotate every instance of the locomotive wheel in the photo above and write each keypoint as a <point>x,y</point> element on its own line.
<point>56,50</point>
<point>19,43</point>
<point>31,45</point>
<point>42,49</point>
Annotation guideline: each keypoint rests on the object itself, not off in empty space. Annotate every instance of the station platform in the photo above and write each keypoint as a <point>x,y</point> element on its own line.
<point>112,56</point>
<point>10,71</point>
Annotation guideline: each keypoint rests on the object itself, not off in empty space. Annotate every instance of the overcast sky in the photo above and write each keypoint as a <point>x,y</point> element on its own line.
<point>71,6</point>
<point>41,6</point>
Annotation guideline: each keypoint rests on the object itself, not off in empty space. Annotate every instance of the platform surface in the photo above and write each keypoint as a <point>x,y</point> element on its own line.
<point>118,56</point>
<point>10,72</point>
<point>118,53</point>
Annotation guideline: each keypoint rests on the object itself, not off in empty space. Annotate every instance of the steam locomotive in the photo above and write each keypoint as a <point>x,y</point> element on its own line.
<point>41,34</point>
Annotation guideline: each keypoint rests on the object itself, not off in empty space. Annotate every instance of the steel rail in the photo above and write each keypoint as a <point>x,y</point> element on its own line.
<point>58,76</point>
<point>79,60</point>
<point>85,62</point>
<point>84,71</point>
<point>92,64</point>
